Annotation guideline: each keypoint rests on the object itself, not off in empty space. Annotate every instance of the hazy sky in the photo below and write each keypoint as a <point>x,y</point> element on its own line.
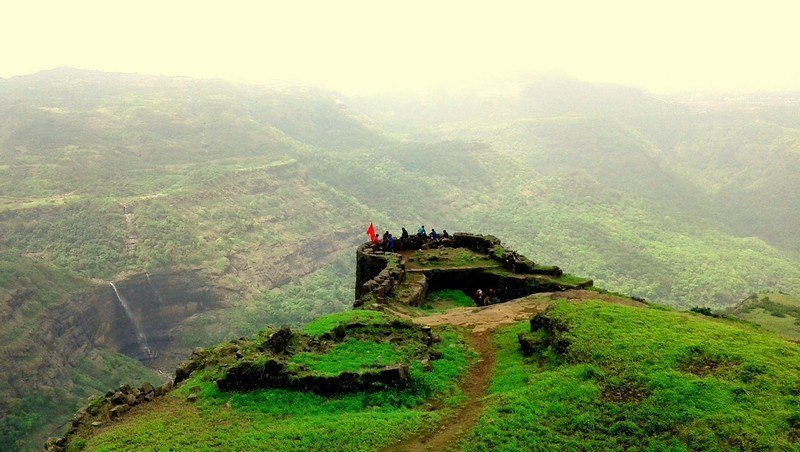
<point>356,46</point>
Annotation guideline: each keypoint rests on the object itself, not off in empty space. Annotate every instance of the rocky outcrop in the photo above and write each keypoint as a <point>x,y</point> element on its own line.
<point>382,278</point>
<point>106,409</point>
<point>246,364</point>
<point>378,274</point>
<point>547,331</point>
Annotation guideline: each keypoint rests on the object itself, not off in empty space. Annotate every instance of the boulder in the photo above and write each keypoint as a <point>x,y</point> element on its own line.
<point>118,411</point>
<point>392,375</point>
<point>339,332</point>
<point>78,418</point>
<point>118,398</point>
<point>55,444</point>
<point>147,388</point>
<point>279,341</point>
<point>185,369</point>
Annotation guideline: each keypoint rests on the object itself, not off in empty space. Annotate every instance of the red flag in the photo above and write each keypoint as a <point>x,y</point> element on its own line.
<point>371,232</point>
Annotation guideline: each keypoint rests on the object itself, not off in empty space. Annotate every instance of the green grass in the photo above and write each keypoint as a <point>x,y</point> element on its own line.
<point>351,355</point>
<point>443,300</point>
<point>450,258</point>
<point>636,378</point>
<point>277,419</point>
<point>327,323</point>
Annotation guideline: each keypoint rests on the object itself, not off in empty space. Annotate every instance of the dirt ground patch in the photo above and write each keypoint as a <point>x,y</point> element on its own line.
<point>487,318</point>
<point>702,365</point>
<point>629,392</point>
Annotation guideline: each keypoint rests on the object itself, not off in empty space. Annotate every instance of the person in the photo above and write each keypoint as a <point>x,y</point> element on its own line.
<point>404,235</point>
<point>385,240</point>
<point>445,234</point>
<point>489,298</point>
<point>478,297</point>
<point>421,232</point>
<point>390,242</point>
<point>376,242</point>
<point>434,234</point>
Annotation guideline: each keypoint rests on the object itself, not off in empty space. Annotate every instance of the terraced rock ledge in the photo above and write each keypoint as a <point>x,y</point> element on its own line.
<point>467,262</point>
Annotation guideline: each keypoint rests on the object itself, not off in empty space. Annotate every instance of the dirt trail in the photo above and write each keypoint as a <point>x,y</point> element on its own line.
<point>482,321</point>
<point>476,383</point>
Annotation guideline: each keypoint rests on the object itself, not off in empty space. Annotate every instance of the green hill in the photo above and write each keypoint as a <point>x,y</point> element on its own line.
<point>601,375</point>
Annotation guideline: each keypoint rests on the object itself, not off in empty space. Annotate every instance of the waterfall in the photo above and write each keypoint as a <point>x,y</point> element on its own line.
<point>140,336</point>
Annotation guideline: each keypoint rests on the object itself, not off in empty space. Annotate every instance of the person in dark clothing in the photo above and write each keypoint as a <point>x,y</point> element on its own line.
<point>445,234</point>
<point>385,240</point>
<point>405,241</point>
<point>478,297</point>
<point>434,234</point>
<point>390,242</point>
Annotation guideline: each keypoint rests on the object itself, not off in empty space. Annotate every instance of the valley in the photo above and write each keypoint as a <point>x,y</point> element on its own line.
<point>216,209</point>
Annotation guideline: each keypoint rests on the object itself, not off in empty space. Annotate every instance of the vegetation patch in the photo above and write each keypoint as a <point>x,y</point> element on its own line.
<point>442,300</point>
<point>327,323</point>
<point>623,391</point>
<point>352,355</point>
<point>617,386</point>
<point>774,311</point>
<point>450,258</point>
<point>699,361</point>
<point>292,420</point>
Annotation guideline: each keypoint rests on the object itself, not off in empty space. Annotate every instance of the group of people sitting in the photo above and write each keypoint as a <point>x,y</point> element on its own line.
<point>482,298</point>
<point>389,243</point>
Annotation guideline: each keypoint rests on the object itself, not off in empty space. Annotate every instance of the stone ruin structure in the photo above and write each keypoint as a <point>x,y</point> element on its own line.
<point>384,277</point>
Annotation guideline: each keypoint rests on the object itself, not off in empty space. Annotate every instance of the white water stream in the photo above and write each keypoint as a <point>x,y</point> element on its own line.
<point>141,338</point>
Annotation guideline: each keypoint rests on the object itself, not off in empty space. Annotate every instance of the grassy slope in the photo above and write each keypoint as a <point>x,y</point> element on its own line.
<point>776,312</point>
<point>627,381</point>
<point>276,419</point>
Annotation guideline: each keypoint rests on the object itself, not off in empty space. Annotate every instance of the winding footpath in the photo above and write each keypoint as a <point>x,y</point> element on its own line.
<point>481,321</point>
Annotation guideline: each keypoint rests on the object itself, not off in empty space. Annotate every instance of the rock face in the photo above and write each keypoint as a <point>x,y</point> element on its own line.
<point>158,303</point>
<point>64,334</point>
<point>378,273</point>
<point>369,265</point>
